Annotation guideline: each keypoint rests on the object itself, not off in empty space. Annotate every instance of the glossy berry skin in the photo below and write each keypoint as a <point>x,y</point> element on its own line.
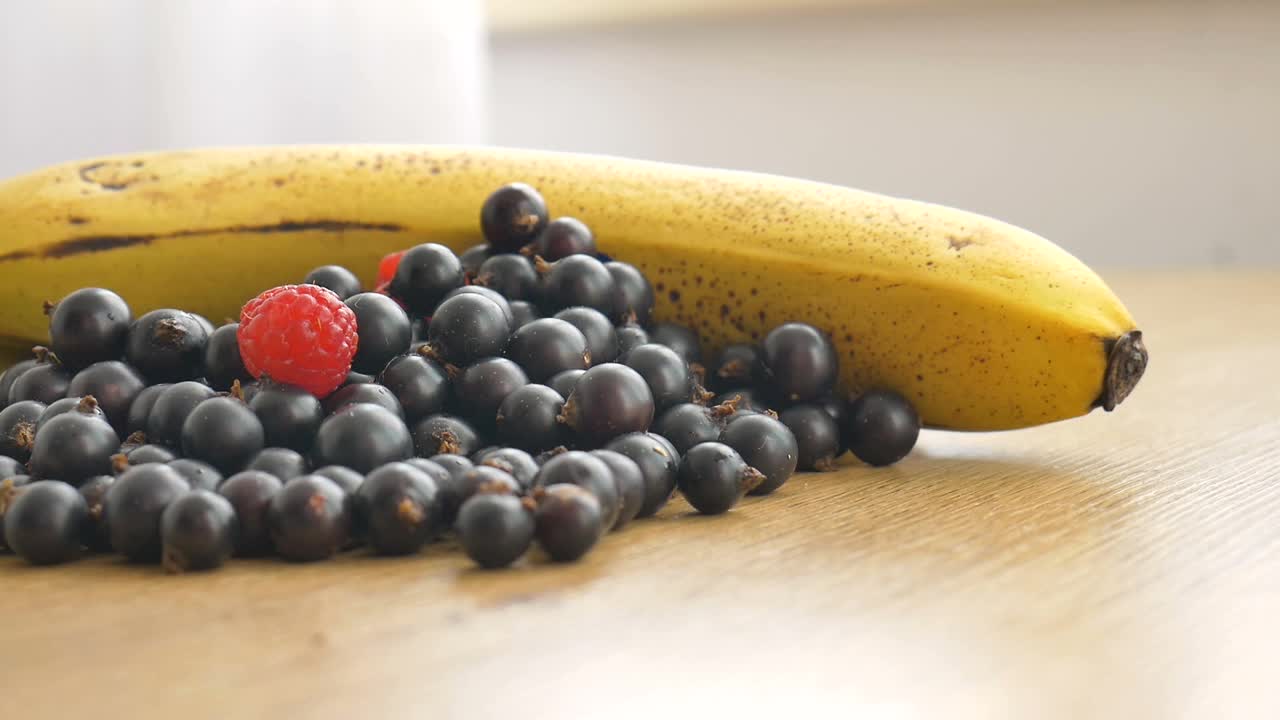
<point>589,473</point>
<point>658,462</point>
<point>563,237</point>
<point>602,339</point>
<point>497,298</point>
<point>143,454</point>
<point>480,389</point>
<point>734,367</point>
<point>384,331</point>
<point>629,482</point>
<point>370,393</point>
<point>426,273</point>
<point>630,336</point>
<point>250,493</point>
<point>140,408</point>
<point>10,467</point>
<point>817,436</point>
<point>495,529</point>
<point>563,382</point>
<point>66,405</point>
<point>45,382</point>
<point>88,326</point>
<point>94,533</point>
<point>222,362</point>
<point>336,278</point>
<point>523,313</point>
<point>301,335</point>
<point>198,531</point>
<point>746,401</point>
<point>454,486</point>
<point>548,346</point>
<point>74,446</point>
<point>797,363</point>
<point>576,280</point>
<point>223,432</point>
<point>473,257</point>
<point>467,327</point>
<point>689,424</point>
<point>679,338</point>
<point>632,294</point>
<point>512,217</point>
<point>766,445</point>
<point>444,434</point>
<point>515,461</point>
<point>9,376</point>
<point>399,509</point>
<point>512,276</point>
<point>310,519</point>
<point>10,488</point>
<point>607,401</point>
<point>114,385</point>
<point>167,346</point>
<point>171,409</point>
<point>281,462</point>
<point>134,508</point>
<point>355,378</point>
<point>346,478</point>
<point>44,522</point>
<point>199,475</point>
<point>527,419</point>
<point>290,416</point>
<point>665,372</point>
<point>362,437</point>
<point>490,479</point>
<point>882,427</point>
<point>713,477</point>
<point>418,383</point>
<point>18,429</point>
<point>569,521</point>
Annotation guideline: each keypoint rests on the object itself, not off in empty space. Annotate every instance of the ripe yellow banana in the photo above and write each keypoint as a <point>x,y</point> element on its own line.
<point>983,325</point>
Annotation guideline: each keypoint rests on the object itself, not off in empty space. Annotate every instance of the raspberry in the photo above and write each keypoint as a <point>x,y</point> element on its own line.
<point>387,267</point>
<point>301,335</point>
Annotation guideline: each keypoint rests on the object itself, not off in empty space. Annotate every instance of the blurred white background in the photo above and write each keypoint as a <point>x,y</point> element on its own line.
<point>1135,132</point>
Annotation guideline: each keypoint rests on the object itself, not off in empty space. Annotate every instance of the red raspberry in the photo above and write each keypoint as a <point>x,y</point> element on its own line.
<point>301,335</point>
<point>387,267</point>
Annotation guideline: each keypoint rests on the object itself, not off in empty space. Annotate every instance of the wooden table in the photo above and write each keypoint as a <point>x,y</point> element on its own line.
<point>1123,565</point>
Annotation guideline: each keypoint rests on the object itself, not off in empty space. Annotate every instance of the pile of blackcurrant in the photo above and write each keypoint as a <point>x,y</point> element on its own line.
<point>517,395</point>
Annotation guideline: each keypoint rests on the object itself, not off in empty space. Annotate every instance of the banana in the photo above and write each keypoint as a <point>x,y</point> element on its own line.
<point>983,325</point>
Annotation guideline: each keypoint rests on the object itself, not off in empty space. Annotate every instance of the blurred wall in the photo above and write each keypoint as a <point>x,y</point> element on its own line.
<point>1134,134</point>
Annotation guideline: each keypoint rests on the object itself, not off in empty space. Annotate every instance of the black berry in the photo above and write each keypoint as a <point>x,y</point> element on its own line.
<point>290,416</point>
<point>766,445</point>
<point>515,461</point>
<point>588,472</point>
<point>563,237</point>
<point>10,488</point>
<point>679,338</point>
<point>94,532</point>
<point>497,298</point>
<point>222,362</point>
<point>426,273</point>
<point>383,328</point>
<point>171,409</point>
<point>9,376</point>
<point>797,363</point>
<point>362,437</point>
<point>134,506</point>
<point>569,521</point>
<point>632,294</point>
<point>10,467</point>
<point>629,482</point>
<point>734,367</point>
<point>882,427</point>
<point>495,529</point>
<point>658,462</point>
<point>66,405</point>
<point>548,346</point>
<point>198,531</point>
<point>746,402</point>
<point>419,383</point>
<point>199,475</point>
<point>284,463</point>
<point>630,336</point>
<point>140,408</point>
<point>607,401</point>
<point>143,454</point>
<point>18,429</point>
<point>369,393</point>
<point>713,477</point>
<point>472,258</point>
<point>817,436</point>
<point>399,509</point>
<point>689,424</point>
<point>527,419</point>
<point>468,327</point>
<point>563,382</point>
<point>453,485</point>
<point>512,276</point>
<point>512,217</point>
<point>115,386</point>
<point>340,280</point>
<point>74,446</point>
<point>44,522</point>
<point>576,280</point>
<point>167,346</point>
<point>602,339</point>
<point>88,326</point>
<point>309,518</point>
<point>480,389</point>
<point>444,434</point>
<point>666,374</point>
<point>346,478</point>
<point>250,494</point>
<point>523,313</point>
<point>223,432</point>
<point>45,382</point>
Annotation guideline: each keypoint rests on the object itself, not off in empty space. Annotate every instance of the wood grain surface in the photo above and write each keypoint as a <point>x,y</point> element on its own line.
<point>1123,565</point>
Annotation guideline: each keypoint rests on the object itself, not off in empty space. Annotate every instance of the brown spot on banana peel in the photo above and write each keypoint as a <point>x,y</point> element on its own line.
<point>102,243</point>
<point>1126,362</point>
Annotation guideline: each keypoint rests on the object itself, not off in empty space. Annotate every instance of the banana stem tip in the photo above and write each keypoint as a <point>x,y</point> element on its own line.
<point>1126,362</point>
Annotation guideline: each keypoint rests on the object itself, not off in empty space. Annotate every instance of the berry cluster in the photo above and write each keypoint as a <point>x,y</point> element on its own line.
<point>517,394</point>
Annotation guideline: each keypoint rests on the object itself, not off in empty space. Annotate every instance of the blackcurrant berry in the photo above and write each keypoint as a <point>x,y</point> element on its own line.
<point>88,326</point>
<point>167,346</point>
<point>489,478</point>
<point>817,436</point>
<point>419,383</point>
<point>10,467</point>
<point>383,328</point>
<point>523,313</point>
<point>466,328</point>
<point>632,294</point>
<point>882,427</point>
<point>426,273</point>
<point>10,488</point>
<point>454,486</point>
<point>44,522</point>
<point>198,531</point>
<point>602,339</point>
<point>713,477</point>
<point>114,385</point>
<point>94,531</point>
<point>340,280</point>
<point>66,405</point>
<point>199,475</point>
<point>171,409</point>
<point>309,518</point>
<point>496,297</point>
<point>223,432</point>
<point>370,393</point>
<point>658,462</point>
<point>689,424</point>
<point>472,258</point>
<point>576,280</point>
<point>74,446</point>
<point>515,461</point>
<point>527,419</point>
<point>569,521</point>
<point>284,463</point>
<point>355,378</point>
<point>630,336</point>
<point>630,485</point>
<point>134,506</point>
<point>734,367</point>
<point>679,338</point>
<point>143,454</point>
<point>18,429</point>
<point>9,376</point>
<point>563,237</point>
<point>548,346</point>
<point>797,363</point>
<point>346,478</point>
<point>362,437</point>
<point>512,276</point>
<point>563,382</point>
<point>512,216</point>
<point>222,362</point>
<point>588,472</point>
<point>745,402</point>
<point>607,401</point>
<point>495,529</point>
<point>666,374</point>
<point>399,509</point>
<point>480,389</point>
<point>444,434</point>
<point>290,416</point>
<point>45,382</point>
<point>250,494</point>
<point>140,408</point>
<point>766,445</point>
